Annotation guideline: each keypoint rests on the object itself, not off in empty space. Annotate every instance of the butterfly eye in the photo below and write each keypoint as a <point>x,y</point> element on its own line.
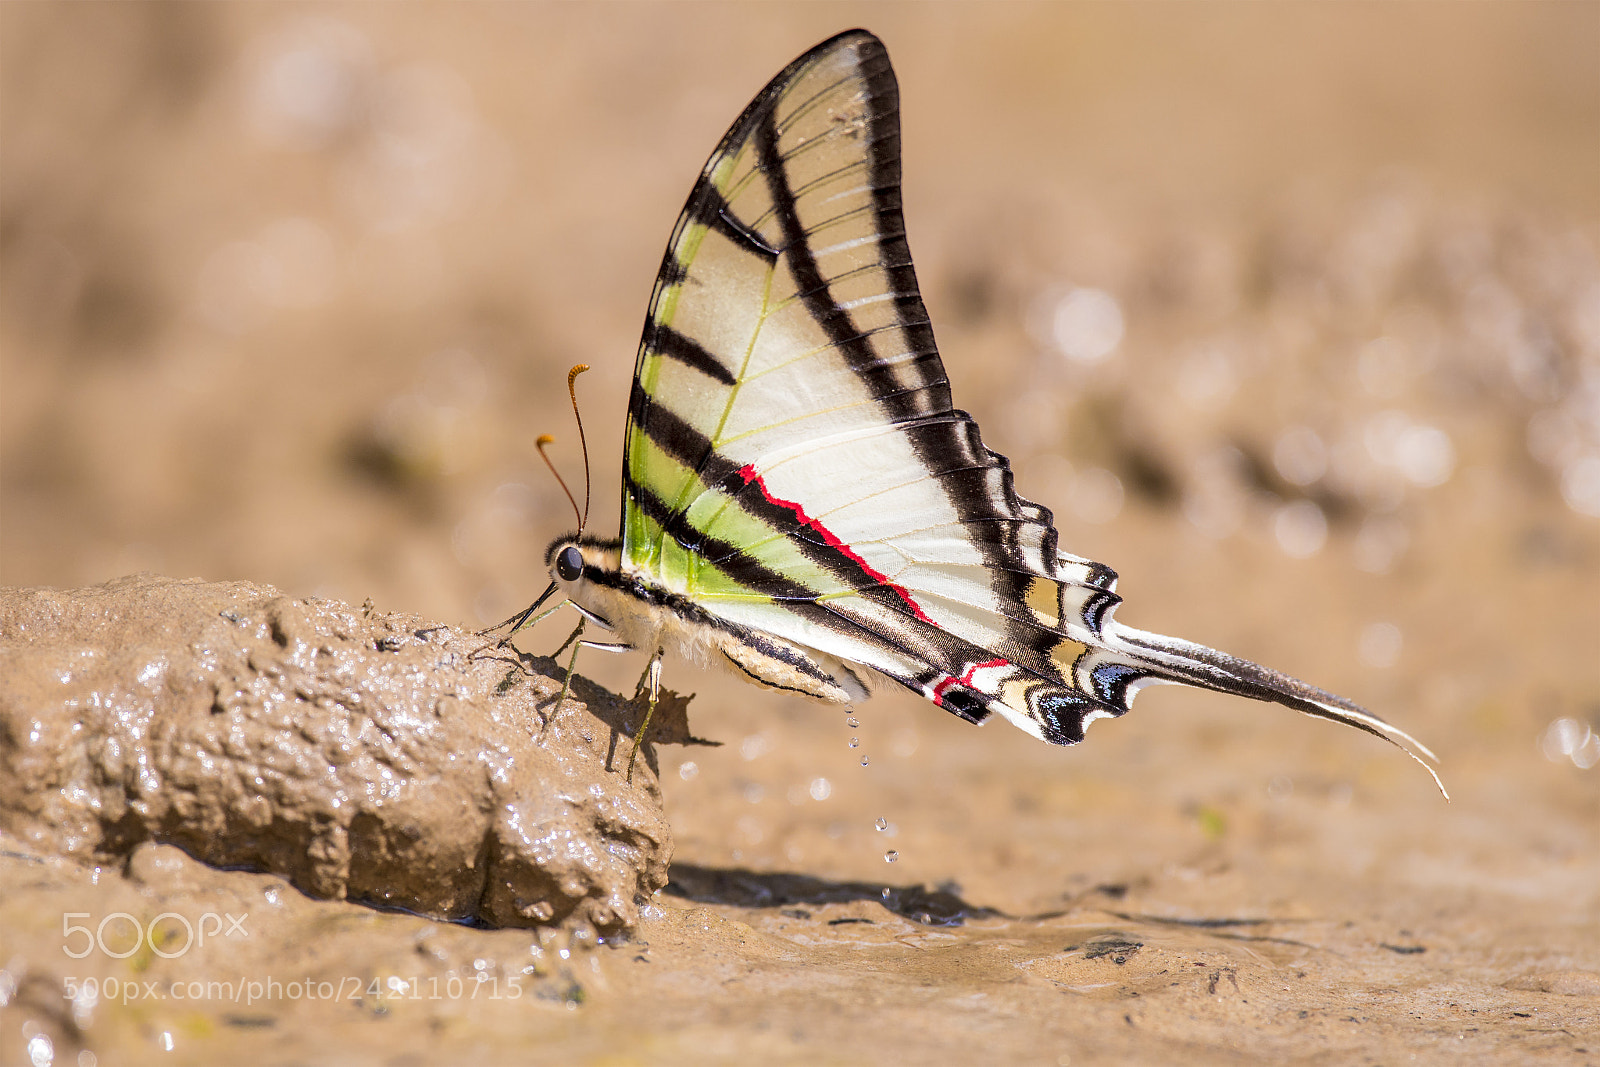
<point>569,564</point>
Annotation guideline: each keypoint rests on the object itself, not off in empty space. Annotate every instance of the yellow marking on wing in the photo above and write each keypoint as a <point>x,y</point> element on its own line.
<point>1044,600</point>
<point>1014,692</point>
<point>1065,654</point>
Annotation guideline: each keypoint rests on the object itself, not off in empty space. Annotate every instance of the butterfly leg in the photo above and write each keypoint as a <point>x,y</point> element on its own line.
<point>566,683</point>
<point>529,623</point>
<point>572,639</point>
<point>652,673</point>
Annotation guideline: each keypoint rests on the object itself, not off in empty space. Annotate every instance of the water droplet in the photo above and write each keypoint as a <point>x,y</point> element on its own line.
<point>852,722</point>
<point>863,761</point>
<point>882,824</point>
<point>890,857</point>
<point>885,892</point>
<point>855,742</point>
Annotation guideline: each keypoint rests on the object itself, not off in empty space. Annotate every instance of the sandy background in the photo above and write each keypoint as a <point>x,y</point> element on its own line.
<point>286,293</point>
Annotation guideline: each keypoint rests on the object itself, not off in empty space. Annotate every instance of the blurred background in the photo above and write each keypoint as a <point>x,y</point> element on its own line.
<point>1291,314</point>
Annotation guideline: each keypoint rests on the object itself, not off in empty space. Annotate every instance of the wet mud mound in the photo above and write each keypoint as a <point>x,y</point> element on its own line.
<point>363,756</point>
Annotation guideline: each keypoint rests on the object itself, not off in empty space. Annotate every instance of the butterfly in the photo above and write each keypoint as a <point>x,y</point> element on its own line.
<point>800,500</point>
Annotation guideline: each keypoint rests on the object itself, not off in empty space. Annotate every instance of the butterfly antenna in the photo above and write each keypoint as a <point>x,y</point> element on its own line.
<point>543,440</point>
<point>583,442</point>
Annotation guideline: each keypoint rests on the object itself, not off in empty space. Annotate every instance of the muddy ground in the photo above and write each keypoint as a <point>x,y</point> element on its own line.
<point>1291,315</point>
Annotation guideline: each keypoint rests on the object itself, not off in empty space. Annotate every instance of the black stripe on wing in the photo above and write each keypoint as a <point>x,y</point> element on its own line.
<point>737,564</point>
<point>708,207</point>
<point>931,393</point>
<point>686,350</point>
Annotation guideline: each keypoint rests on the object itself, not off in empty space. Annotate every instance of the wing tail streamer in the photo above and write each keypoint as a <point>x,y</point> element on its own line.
<point>1158,659</point>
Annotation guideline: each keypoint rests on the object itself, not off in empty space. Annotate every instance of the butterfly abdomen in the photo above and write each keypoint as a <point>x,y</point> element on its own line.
<point>782,665</point>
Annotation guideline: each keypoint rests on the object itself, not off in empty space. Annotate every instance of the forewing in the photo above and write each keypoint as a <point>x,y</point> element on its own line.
<point>786,313</point>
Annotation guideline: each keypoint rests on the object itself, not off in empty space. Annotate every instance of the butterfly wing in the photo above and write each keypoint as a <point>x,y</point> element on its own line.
<point>793,463</point>
<point>788,385</point>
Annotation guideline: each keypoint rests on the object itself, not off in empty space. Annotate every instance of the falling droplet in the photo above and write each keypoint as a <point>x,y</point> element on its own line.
<point>855,742</point>
<point>852,722</point>
<point>890,857</point>
<point>885,892</point>
<point>883,824</point>
<point>863,761</point>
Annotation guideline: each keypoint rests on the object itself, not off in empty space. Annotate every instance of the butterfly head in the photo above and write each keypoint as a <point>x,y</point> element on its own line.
<point>576,561</point>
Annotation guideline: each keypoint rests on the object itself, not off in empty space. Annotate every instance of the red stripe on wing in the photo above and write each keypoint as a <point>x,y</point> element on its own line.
<point>752,477</point>
<point>966,678</point>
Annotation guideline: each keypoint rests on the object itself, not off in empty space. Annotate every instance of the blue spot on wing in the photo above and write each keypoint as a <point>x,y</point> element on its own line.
<point>1111,683</point>
<point>1060,714</point>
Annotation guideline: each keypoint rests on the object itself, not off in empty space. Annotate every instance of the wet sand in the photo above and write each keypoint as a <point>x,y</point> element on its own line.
<point>305,338</point>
